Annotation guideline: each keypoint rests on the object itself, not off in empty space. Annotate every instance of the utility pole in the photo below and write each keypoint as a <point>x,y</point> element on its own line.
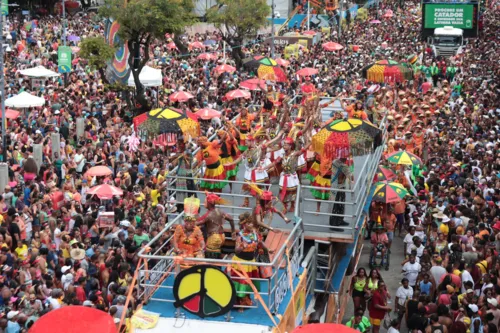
<point>272,30</point>
<point>340,18</point>
<point>64,34</point>
<point>2,91</point>
<point>308,15</point>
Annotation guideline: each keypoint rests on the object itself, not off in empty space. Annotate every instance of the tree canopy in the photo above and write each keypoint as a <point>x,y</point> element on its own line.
<point>237,20</point>
<point>97,52</point>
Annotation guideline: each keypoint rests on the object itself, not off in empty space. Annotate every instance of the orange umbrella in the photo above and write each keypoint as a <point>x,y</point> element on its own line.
<point>308,71</point>
<point>225,69</point>
<point>99,171</point>
<point>197,45</point>
<point>206,56</point>
<point>331,46</point>
<point>105,191</point>
<point>254,84</point>
<point>207,113</point>
<point>237,93</point>
<point>180,96</point>
<point>11,114</point>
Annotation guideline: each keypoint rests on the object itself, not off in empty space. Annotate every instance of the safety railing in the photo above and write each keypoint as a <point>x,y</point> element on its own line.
<point>161,266</point>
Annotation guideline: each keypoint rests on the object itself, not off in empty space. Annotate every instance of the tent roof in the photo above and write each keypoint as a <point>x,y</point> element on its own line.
<point>149,77</point>
<point>39,71</point>
<point>24,100</point>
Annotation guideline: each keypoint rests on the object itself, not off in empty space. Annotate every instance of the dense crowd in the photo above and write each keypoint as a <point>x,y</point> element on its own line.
<point>54,252</point>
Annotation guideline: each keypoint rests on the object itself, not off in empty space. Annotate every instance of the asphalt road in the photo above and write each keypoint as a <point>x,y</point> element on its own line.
<point>392,277</point>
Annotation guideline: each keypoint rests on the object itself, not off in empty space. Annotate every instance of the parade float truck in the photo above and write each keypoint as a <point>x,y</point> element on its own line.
<point>446,41</point>
<point>305,278</point>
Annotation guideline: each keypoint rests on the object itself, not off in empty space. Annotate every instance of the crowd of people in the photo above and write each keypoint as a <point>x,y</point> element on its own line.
<point>55,252</point>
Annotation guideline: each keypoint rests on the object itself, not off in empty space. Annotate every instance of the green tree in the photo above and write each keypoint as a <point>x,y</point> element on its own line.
<point>97,52</point>
<point>141,22</point>
<point>238,20</point>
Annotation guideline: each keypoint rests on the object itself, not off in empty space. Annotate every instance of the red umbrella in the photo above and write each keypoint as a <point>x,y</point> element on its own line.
<point>105,191</point>
<point>308,71</point>
<point>74,319</point>
<point>331,46</point>
<point>206,56</point>
<point>323,328</point>
<point>99,171</point>
<point>253,84</point>
<point>282,62</point>
<point>207,113</point>
<point>11,114</point>
<point>197,45</point>
<point>171,46</point>
<point>310,32</point>
<point>225,69</point>
<point>180,96</point>
<point>237,93</point>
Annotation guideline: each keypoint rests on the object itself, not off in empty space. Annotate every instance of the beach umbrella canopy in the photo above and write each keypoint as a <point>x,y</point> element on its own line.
<point>207,113</point>
<point>253,84</point>
<point>206,56</point>
<point>11,114</point>
<point>180,96</point>
<point>268,69</point>
<point>404,158</point>
<point>386,71</point>
<point>98,171</point>
<point>345,137</point>
<point>197,45</point>
<point>384,173</point>
<point>225,69</point>
<point>282,62</point>
<point>237,93</point>
<point>74,319</point>
<point>389,192</point>
<point>331,46</point>
<point>308,71</point>
<point>172,121</point>
<point>105,191</point>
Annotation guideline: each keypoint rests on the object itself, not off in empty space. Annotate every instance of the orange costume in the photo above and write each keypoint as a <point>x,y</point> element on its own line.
<point>229,151</point>
<point>244,124</point>
<point>215,174</point>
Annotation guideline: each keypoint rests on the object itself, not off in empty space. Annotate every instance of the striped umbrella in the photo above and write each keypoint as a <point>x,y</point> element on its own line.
<point>389,192</point>
<point>384,173</point>
<point>387,71</point>
<point>405,158</point>
<point>269,69</point>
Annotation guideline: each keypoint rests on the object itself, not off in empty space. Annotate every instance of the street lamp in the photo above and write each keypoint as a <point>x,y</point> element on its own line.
<point>272,30</point>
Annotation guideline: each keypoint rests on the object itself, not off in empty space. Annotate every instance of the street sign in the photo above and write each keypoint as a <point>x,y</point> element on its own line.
<point>64,59</point>
<point>5,7</point>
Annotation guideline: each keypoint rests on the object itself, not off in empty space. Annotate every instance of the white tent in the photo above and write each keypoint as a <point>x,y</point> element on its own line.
<point>149,77</point>
<point>24,100</point>
<point>39,71</point>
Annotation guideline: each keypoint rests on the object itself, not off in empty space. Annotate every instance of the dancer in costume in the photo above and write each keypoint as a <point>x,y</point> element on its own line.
<point>214,220</point>
<point>341,177</point>
<point>188,239</point>
<point>244,126</point>
<point>265,209</point>
<point>229,151</point>
<point>289,181</point>
<point>248,244</point>
<point>215,174</point>
<point>320,178</point>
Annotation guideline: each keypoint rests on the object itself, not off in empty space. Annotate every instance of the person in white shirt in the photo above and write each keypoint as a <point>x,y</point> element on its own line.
<point>79,159</point>
<point>404,293</point>
<point>466,276</point>
<point>411,270</point>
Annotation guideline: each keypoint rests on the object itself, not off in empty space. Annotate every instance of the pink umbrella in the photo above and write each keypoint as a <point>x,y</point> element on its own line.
<point>12,114</point>
<point>389,13</point>
<point>205,56</point>
<point>171,46</point>
<point>308,71</point>
<point>282,62</point>
<point>331,46</point>
<point>237,93</point>
<point>180,96</point>
<point>105,191</point>
<point>99,171</point>
<point>253,84</point>
<point>310,32</point>
<point>197,45</point>
<point>207,113</point>
<point>225,69</point>
<point>375,22</point>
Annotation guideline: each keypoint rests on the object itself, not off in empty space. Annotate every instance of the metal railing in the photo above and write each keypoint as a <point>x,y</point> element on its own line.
<point>165,266</point>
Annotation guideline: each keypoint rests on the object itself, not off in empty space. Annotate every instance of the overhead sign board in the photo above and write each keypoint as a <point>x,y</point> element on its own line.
<point>455,15</point>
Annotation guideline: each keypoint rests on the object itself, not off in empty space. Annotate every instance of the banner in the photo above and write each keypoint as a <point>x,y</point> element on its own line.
<point>5,7</point>
<point>64,59</point>
<point>455,15</point>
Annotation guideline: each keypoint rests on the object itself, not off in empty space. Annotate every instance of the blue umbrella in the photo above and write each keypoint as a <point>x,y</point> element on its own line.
<point>210,42</point>
<point>73,38</point>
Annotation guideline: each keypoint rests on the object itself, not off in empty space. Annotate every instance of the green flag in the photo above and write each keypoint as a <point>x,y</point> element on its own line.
<point>64,59</point>
<point>5,7</point>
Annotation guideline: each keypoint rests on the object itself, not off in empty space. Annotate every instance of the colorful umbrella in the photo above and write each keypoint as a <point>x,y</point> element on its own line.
<point>345,137</point>
<point>206,56</point>
<point>384,173</point>
<point>404,158</point>
<point>74,319</point>
<point>98,171</point>
<point>207,113</point>
<point>196,45</point>
<point>180,96</point>
<point>331,46</point>
<point>412,58</point>
<point>170,120</point>
<point>389,192</point>
<point>225,69</point>
<point>252,61</point>
<point>254,84</point>
<point>308,71</point>
<point>269,69</point>
<point>282,62</point>
<point>105,191</point>
<point>237,93</point>
<point>385,71</point>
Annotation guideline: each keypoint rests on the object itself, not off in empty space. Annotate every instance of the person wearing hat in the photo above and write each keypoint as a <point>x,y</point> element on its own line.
<point>409,142</point>
<point>380,243</point>
<point>12,325</point>
<point>264,208</point>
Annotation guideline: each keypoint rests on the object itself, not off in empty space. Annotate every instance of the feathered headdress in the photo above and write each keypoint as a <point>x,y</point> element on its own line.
<point>264,195</point>
<point>191,208</point>
<point>214,199</point>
